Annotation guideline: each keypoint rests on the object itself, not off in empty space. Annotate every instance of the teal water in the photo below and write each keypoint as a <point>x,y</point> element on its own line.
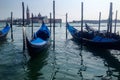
<point>69,61</point>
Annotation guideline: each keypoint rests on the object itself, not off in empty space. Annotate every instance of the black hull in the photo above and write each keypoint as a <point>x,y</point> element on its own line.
<point>35,50</point>
<point>99,45</point>
<point>103,45</point>
<point>86,39</point>
<point>3,37</point>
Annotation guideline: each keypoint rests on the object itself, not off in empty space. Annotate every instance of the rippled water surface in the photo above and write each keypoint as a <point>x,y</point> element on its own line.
<point>69,61</point>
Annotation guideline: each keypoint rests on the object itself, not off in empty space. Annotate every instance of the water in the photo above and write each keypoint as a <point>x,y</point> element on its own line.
<point>69,61</point>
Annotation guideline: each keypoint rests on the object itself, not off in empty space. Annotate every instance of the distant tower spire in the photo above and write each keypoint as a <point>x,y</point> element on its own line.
<point>28,15</point>
<point>39,15</point>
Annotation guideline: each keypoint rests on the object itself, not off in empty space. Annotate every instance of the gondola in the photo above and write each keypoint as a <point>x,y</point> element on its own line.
<point>79,35</point>
<point>103,43</point>
<point>89,28</point>
<point>97,41</point>
<point>40,41</point>
<point>102,33</point>
<point>4,32</point>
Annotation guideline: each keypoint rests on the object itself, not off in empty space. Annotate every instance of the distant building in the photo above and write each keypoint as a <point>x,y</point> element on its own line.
<point>56,20</point>
<point>27,15</point>
<point>39,19</point>
<point>36,19</point>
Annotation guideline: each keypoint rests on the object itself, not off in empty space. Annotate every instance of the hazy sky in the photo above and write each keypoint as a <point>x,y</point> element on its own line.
<point>72,7</point>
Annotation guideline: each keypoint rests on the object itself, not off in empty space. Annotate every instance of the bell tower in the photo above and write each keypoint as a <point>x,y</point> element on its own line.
<point>28,15</point>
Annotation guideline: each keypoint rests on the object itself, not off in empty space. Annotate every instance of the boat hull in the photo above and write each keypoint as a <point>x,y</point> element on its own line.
<point>35,50</point>
<point>3,37</point>
<point>4,32</point>
<point>86,39</point>
<point>102,45</point>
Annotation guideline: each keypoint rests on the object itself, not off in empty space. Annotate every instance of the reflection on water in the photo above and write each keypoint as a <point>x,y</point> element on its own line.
<point>83,67</point>
<point>34,66</point>
<point>110,62</point>
<point>69,61</point>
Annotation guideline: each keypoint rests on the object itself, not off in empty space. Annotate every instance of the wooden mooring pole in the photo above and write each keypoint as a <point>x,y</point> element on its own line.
<point>109,24</point>
<point>23,10</point>
<point>81,16</point>
<point>32,26</point>
<point>11,26</point>
<point>50,21</point>
<point>99,21</point>
<point>53,25</point>
<point>115,21</point>
<point>111,17</point>
<point>66,25</point>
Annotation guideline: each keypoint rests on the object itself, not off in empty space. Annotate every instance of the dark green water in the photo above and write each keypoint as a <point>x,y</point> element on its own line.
<point>68,62</point>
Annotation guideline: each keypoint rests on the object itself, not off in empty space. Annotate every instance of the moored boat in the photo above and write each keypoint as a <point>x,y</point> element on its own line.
<point>96,41</point>
<point>40,41</point>
<point>4,32</point>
